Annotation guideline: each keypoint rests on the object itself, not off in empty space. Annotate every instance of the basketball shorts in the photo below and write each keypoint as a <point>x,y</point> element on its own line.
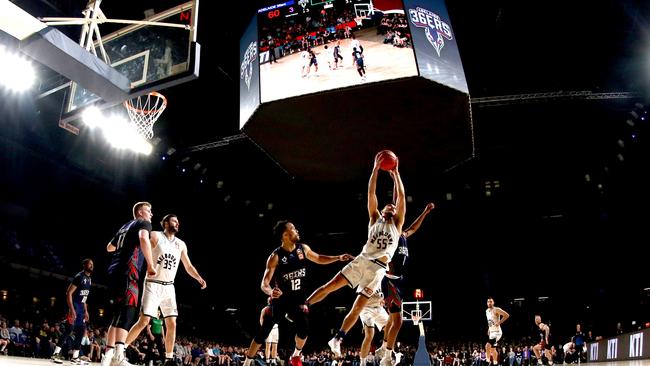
<point>374,316</point>
<point>158,294</point>
<point>365,275</point>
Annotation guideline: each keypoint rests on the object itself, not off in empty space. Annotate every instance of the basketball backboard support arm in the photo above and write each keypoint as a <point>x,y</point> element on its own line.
<point>155,53</point>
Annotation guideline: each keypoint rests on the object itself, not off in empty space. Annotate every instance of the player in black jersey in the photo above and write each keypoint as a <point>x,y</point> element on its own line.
<point>543,333</point>
<point>76,296</point>
<point>131,248</point>
<point>392,284</point>
<point>287,269</point>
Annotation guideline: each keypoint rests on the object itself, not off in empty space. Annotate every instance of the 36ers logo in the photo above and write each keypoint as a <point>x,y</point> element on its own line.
<point>435,29</point>
<point>300,255</point>
<point>247,64</point>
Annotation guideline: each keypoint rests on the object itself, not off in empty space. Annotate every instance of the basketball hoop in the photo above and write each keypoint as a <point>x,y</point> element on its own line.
<point>145,110</point>
<point>416,315</point>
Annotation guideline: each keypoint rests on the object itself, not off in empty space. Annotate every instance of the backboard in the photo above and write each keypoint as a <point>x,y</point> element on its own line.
<point>416,311</point>
<point>152,57</point>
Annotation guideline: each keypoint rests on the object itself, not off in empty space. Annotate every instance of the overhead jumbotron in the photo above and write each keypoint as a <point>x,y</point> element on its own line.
<point>342,80</point>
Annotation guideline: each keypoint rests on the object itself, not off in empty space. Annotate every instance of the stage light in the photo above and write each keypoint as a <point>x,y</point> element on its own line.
<point>16,72</point>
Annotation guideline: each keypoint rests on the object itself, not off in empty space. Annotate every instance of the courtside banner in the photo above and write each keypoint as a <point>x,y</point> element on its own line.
<point>435,44</point>
<point>628,346</point>
<point>249,73</point>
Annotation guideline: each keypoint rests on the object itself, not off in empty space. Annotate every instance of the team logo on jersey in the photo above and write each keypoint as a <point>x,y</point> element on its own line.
<point>435,29</point>
<point>284,259</point>
<point>382,239</point>
<point>403,250</point>
<point>301,256</point>
<point>167,260</point>
<point>247,64</point>
<point>86,280</point>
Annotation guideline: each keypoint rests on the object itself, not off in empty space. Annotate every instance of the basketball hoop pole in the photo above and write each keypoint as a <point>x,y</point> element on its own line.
<point>417,309</point>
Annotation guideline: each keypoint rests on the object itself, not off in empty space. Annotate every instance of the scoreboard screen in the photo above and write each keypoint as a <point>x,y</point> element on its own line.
<point>279,11</point>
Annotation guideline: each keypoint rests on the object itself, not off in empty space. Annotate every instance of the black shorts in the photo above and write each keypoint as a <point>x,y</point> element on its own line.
<point>124,288</point>
<point>493,341</point>
<point>392,296</point>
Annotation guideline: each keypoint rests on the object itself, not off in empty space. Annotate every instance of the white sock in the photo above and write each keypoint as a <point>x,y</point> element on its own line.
<point>57,350</point>
<point>169,354</point>
<point>296,352</point>
<point>108,356</point>
<point>75,354</point>
<point>363,361</point>
<point>119,351</point>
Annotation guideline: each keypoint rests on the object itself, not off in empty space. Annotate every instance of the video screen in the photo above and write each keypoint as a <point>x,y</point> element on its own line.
<point>435,43</point>
<point>307,46</point>
<point>249,89</point>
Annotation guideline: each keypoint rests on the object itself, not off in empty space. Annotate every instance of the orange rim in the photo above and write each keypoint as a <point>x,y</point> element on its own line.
<point>129,105</point>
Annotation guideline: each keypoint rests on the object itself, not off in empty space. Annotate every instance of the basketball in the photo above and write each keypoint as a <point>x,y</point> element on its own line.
<point>390,160</point>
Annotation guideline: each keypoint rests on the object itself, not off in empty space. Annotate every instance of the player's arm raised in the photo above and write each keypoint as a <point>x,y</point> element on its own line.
<point>271,263</point>
<point>373,204</point>
<point>325,259</point>
<point>416,224</point>
<point>400,201</point>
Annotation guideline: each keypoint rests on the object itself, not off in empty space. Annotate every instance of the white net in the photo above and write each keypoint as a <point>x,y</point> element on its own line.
<point>416,315</point>
<point>145,110</point>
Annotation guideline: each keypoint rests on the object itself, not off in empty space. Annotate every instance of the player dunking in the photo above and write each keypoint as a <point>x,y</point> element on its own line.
<point>393,283</point>
<point>544,332</point>
<point>131,248</point>
<point>159,290</point>
<point>495,317</point>
<point>76,297</point>
<point>367,270</point>
<point>287,265</point>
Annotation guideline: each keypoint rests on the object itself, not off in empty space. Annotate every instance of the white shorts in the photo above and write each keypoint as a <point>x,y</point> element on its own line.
<point>158,295</point>
<point>374,316</point>
<point>496,336</point>
<point>274,335</point>
<point>364,274</point>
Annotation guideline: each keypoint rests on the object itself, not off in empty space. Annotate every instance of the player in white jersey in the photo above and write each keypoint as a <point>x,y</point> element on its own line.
<point>367,270</point>
<point>495,317</point>
<point>374,314</point>
<point>167,251</point>
<point>271,349</point>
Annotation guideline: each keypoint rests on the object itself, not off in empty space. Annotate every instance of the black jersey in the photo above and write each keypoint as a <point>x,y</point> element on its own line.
<point>83,283</point>
<point>128,257</point>
<point>291,273</point>
<point>398,262</point>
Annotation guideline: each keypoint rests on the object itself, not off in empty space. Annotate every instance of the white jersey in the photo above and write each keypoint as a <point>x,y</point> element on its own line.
<point>492,319</point>
<point>167,257</point>
<point>382,239</point>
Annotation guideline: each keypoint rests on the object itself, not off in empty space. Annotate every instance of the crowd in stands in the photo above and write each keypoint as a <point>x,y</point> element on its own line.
<point>29,338</point>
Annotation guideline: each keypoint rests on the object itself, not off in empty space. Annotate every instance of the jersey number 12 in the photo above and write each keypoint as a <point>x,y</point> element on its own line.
<point>295,284</point>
